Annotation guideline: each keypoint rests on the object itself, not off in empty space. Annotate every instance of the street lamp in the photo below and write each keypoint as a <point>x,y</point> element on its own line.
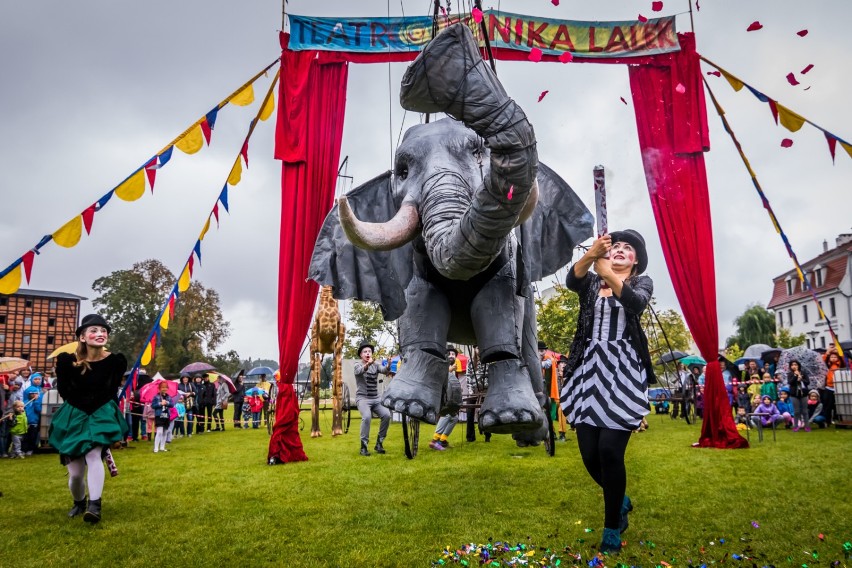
<point>813,335</point>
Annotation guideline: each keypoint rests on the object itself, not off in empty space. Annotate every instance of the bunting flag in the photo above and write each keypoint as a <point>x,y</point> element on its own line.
<point>789,119</point>
<point>149,351</point>
<point>133,186</point>
<point>775,223</point>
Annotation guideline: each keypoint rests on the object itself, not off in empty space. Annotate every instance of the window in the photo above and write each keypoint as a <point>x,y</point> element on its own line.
<point>25,356</point>
<point>2,337</point>
<point>809,343</point>
<point>52,305</point>
<point>28,303</point>
<point>26,339</point>
<point>51,322</point>
<point>28,320</point>
<point>822,341</point>
<point>805,313</point>
<point>2,319</point>
<point>50,340</point>
<point>790,317</point>
<point>780,319</point>
<point>831,307</point>
<point>789,287</point>
<point>4,301</point>
<point>819,277</point>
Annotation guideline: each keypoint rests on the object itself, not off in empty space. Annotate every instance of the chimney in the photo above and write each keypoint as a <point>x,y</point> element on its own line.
<point>824,245</point>
<point>843,239</point>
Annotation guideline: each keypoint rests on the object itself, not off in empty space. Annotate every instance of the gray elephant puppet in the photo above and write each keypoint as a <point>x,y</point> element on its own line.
<point>451,240</point>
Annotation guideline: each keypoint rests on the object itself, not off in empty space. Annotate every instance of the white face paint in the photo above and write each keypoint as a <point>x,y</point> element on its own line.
<point>95,335</point>
<point>366,354</point>
<point>623,255</point>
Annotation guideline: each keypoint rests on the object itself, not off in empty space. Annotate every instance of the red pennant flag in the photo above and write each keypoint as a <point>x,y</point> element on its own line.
<point>27,261</point>
<point>216,213</point>
<point>205,128</point>
<point>774,109</point>
<point>135,376</point>
<point>244,152</point>
<point>151,172</point>
<point>832,144</point>
<point>153,346</point>
<point>88,217</point>
<point>190,263</point>
<point>171,306</point>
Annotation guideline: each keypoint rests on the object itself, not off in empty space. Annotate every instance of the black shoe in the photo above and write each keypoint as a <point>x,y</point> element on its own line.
<point>364,450</point>
<point>379,449</point>
<point>78,509</point>
<point>93,512</point>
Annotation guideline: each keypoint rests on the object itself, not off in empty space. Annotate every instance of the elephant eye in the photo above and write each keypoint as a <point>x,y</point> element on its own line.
<point>401,171</point>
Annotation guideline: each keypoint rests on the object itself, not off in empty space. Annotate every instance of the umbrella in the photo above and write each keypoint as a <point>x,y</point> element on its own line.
<point>67,348</point>
<point>197,368</point>
<point>226,378</point>
<point>670,356</point>
<point>693,360</point>
<point>260,371</point>
<point>771,354</point>
<point>755,351</point>
<point>810,361</point>
<point>147,392</point>
<point>254,391</point>
<point>12,364</point>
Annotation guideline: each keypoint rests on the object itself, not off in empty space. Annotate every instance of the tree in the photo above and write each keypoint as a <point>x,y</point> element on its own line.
<point>131,301</point>
<point>755,325</point>
<point>228,363</point>
<point>785,340</point>
<point>365,323</point>
<point>669,325</point>
<point>733,352</point>
<point>557,319</point>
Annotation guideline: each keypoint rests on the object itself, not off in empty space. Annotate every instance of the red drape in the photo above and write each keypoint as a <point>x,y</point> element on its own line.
<point>671,118</point>
<point>285,445</point>
<point>312,101</point>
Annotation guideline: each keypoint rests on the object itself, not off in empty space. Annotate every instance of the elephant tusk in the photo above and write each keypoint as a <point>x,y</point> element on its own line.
<point>379,236</point>
<point>529,206</point>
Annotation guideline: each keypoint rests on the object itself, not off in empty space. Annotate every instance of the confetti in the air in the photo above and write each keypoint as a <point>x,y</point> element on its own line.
<point>477,15</point>
<point>622,100</point>
<point>802,33</point>
<point>791,78</point>
<point>680,88</point>
<point>642,18</point>
<point>754,26</point>
<point>808,68</point>
<point>786,143</point>
<point>716,73</point>
<point>542,95</point>
<point>554,2</point>
<point>656,6</point>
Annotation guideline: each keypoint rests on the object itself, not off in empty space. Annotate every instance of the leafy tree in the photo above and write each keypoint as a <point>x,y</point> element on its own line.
<point>250,363</point>
<point>557,319</point>
<point>131,301</point>
<point>365,322</point>
<point>667,325</point>
<point>784,339</point>
<point>755,325</point>
<point>733,352</point>
<point>229,363</point>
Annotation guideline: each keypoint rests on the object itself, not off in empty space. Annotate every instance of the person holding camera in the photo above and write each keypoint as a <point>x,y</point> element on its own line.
<point>367,397</point>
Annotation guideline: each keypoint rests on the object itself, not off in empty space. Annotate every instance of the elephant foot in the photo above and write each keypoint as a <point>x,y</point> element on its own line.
<point>532,437</point>
<point>510,405</point>
<point>416,390</point>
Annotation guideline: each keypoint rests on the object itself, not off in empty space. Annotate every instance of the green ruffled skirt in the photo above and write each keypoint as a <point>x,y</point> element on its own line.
<point>74,433</point>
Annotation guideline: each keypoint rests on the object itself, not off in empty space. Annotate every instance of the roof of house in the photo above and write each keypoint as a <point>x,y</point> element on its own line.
<point>834,261</point>
<point>47,294</point>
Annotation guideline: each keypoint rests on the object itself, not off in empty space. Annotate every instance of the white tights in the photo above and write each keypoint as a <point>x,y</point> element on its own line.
<point>160,439</point>
<point>95,478</point>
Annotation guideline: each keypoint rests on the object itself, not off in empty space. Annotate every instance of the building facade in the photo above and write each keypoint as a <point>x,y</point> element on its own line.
<point>35,322</point>
<point>830,275</point>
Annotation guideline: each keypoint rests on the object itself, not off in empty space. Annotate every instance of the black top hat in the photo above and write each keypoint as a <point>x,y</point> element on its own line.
<point>89,321</point>
<point>542,346</point>
<point>364,345</point>
<point>634,239</point>
<point>453,349</point>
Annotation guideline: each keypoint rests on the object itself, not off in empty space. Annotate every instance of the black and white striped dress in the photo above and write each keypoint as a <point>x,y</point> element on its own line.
<point>607,389</point>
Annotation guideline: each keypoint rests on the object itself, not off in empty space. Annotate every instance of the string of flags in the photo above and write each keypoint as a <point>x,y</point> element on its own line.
<point>132,187</point>
<point>782,115</point>
<point>766,205</point>
<point>167,312</point>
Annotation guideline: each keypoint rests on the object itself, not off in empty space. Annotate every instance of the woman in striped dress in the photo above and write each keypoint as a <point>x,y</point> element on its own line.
<point>609,367</point>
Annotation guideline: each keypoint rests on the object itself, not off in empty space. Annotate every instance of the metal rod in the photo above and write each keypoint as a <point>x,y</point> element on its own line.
<point>691,21</point>
<point>485,38</point>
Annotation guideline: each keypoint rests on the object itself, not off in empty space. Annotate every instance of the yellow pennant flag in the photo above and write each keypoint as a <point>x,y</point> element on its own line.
<point>236,172</point>
<point>164,319</point>
<point>268,107</point>
<point>191,141</point>
<point>183,283</point>
<point>244,97</point>
<point>132,188</point>
<point>146,355</point>
<point>69,234</point>
<point>735,83</point>
<point>10,283</point>
<point>789,119</point>
<point>800,275</point>
<point>847,147</point>
<point>205,229</point>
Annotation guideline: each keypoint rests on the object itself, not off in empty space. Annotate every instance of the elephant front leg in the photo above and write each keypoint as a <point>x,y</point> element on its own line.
<point>418,388</point>
<point>497,313</point>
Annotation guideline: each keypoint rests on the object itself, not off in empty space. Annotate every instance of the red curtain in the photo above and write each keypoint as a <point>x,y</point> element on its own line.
<point>668,98</point>
<point>312,101</point>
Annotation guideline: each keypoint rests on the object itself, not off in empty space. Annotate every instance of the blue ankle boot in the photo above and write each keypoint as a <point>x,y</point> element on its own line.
<point>626,507</point>
<point>611,541</point>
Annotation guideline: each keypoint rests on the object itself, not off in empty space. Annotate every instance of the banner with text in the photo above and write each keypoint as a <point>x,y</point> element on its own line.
<point>505,30</point>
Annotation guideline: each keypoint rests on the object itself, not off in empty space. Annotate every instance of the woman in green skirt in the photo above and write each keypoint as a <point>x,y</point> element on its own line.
<point>89,422</point>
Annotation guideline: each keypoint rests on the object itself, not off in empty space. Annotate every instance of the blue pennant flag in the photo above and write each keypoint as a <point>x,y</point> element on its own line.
<point>211,117</point>
<point>223,197</point>
<point>197,250</point>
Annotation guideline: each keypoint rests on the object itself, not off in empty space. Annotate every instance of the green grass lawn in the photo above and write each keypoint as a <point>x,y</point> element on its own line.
<point>212,501</point>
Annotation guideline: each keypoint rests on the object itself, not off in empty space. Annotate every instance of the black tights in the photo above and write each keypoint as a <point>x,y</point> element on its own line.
<point>602,451</point>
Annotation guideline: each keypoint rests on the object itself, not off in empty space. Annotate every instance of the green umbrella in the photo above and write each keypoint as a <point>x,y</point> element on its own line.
<point>693,360</point>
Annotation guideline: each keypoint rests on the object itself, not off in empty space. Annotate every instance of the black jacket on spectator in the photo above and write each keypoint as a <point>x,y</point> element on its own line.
<point>207,394</point>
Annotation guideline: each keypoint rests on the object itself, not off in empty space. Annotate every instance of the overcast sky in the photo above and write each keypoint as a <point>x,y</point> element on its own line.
<point>92,89</point>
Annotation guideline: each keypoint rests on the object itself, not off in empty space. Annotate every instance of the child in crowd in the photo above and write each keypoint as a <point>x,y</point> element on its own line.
<point>661,405</point>
<point>753,389</point>
<point>699,402</point>
<point>741,420</point>
<point>180,431</point>
<point>785,406</point>
<point>16,422</point>
<point>768,412</point>
<point>256,405</point>
<point>743,399</point>
<point>32,397</point>
<point>768,387</point>
<point>148,416</point>
<point>161,404</point>
<point>755,402</point>
<point>246,412</point>
<point>814,411</point>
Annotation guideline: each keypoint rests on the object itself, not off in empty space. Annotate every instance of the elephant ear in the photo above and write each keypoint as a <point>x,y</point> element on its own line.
<point>559,222</point>
<point>352,272</point>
